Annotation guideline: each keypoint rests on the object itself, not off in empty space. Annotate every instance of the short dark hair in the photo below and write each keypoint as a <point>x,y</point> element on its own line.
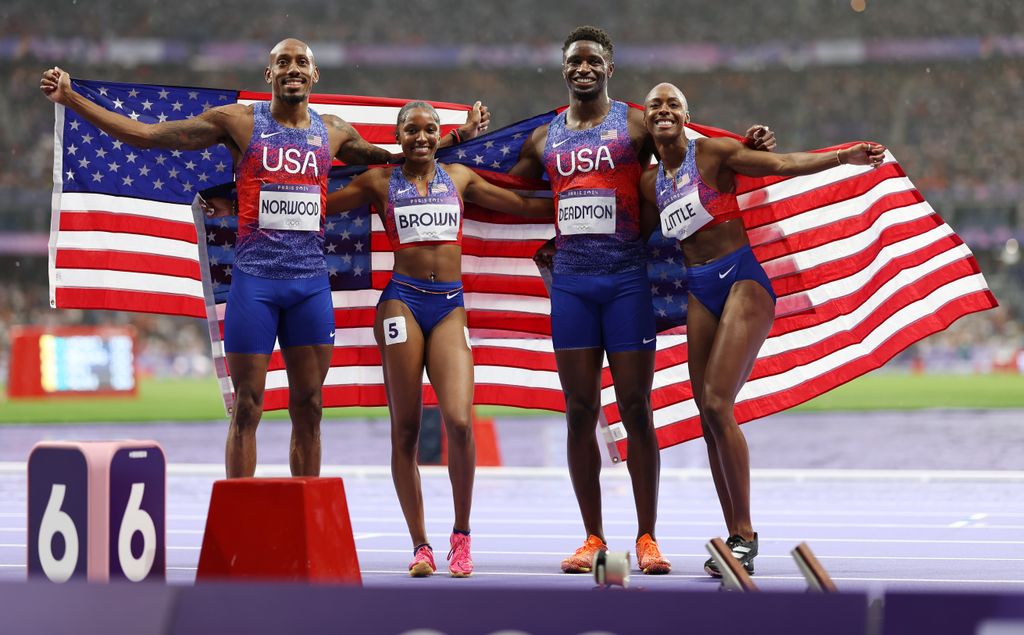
<point>590,34</point>
<point>403,114</point>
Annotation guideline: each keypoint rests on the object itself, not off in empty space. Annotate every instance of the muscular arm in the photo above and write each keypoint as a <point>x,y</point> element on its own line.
<point>203,131</point>
<point>361,191</point>
<point>531,163</point>
<point>742,160</point>
<point>479,191</point>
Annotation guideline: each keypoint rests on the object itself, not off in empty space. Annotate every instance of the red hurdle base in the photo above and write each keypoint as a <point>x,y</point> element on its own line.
<point>279,529</point>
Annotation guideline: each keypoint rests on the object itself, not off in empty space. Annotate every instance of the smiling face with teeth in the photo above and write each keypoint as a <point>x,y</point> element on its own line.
<point>665,112</point>
<point>418,132</point>
<point>586,67</point>
<point>291,73</point>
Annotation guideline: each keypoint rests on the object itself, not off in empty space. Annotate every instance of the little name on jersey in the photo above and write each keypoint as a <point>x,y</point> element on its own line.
<point>584,160</point>
<point>292,161</point>
<point>684,214</point>
<point>427,218</point>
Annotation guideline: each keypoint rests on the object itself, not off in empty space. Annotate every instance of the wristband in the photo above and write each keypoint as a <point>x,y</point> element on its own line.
<point>839,160</point>
<point>456,136</point>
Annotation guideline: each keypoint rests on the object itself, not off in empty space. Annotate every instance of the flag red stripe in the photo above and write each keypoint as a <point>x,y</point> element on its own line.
<point>766,248</point>
<point>786,279</point>
<point>118,300</point>
<point>128,261</point>
<point>757,214</point>
<point>74,220</point>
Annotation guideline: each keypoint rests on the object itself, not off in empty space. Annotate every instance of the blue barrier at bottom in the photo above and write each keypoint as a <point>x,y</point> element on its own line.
<point>78,608</point>
<point>953,613</point>
<point>256,609</point>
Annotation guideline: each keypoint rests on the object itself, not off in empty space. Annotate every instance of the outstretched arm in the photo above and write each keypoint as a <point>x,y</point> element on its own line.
<point>742,160</point>
<point>203,131</point>
<point>479,191</point>
<point>360,191</point>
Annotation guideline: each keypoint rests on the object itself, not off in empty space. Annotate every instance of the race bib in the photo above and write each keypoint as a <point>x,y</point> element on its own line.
<point>684,214</point>
<point>290,206</point>
<point>590,211</point>
<point>427,218</point>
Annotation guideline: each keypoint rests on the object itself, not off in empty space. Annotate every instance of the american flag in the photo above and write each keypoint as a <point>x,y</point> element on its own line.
<point>862,265</point>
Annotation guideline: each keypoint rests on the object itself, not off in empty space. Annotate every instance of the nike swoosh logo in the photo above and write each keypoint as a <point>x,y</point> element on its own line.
<point>555,145</point>
<point>403,191</point>
<point>649,340</point>
<point>452,294</point>
<point>264,135</point>
<point>723,274</point>
<point>332,334</point>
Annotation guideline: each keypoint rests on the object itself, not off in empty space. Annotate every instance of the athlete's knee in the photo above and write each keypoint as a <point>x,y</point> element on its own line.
<point>247,410</point>
<point>581,415</point>
<point>458,427</point>
<point>405,437</point>
<point>309,399</point>
<point>636,415</point>
<point>716,411</point>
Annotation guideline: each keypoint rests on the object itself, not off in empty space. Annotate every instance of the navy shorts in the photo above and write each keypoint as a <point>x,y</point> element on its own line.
<point>429,302</point>
<point>609,311</point>
<point>710,283</point>
<point>296,311</point>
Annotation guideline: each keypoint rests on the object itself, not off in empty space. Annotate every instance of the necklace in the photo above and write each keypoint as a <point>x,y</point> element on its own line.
<point>415,177</point>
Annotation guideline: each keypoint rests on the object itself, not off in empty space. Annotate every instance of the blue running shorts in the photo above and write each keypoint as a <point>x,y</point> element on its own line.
<point>710,283</point>
<point>609,311</point>
<point>429,302</point>
<point>297,312</point>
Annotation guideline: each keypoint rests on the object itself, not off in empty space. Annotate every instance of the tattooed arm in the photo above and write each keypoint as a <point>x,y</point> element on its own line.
<point>203,131</point>
<point>351,147</point>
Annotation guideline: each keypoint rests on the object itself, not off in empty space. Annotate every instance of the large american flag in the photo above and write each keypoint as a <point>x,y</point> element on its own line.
<point>862,264</point>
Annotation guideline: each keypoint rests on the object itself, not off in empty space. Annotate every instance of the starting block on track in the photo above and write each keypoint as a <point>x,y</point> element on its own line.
<point>96,511</point>
<point>817,577</point>
<point>279,529</point>
<point>734,576</point>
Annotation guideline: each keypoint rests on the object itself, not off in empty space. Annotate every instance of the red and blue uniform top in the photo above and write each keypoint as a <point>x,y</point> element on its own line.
<point>282,197</point>
<point>686,204</point>
<point>595,176</point>
<point>412,219</point>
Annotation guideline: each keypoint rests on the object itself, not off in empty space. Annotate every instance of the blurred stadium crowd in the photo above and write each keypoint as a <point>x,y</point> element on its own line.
<point>939,83</point>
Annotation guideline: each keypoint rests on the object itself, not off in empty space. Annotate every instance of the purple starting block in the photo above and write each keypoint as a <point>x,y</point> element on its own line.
<point>97,511</point>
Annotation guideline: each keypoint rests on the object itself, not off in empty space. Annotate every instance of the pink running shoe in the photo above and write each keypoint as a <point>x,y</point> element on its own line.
<point>422,564</point>
<point>460,563</point>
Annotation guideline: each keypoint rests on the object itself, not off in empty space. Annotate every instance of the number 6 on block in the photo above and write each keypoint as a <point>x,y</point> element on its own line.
<point>97,511</point>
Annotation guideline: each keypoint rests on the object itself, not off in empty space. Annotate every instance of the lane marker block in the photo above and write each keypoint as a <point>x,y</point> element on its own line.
<point>279,529</point>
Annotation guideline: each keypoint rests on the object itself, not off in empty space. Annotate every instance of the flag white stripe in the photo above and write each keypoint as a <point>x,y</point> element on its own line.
<point>798,185</point>
<point>850,208</point>
<point>375,115</point>
<point>842,248</point>
<point>83,201</point>
<point>127,281</point>
<point>127,243</point>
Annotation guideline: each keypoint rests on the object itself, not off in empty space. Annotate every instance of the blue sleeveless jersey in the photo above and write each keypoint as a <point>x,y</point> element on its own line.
<point>595,177</point>
<point>282,183</point>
